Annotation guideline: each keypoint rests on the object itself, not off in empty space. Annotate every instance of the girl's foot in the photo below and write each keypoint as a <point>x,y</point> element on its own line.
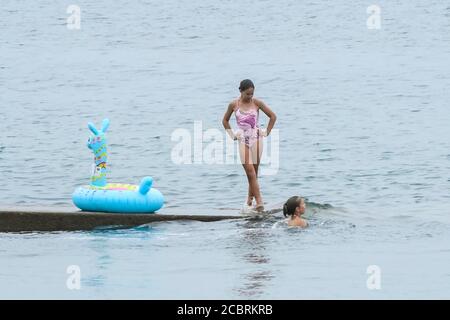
<point>250,201</point>
<point>259,207</point>
<point>246,209</point>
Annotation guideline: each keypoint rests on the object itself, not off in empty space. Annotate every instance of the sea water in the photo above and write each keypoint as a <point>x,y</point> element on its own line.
<point>363,135</point>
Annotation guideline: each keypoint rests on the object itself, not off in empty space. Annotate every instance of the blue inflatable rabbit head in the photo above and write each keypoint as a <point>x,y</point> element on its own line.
<point>98,145</point>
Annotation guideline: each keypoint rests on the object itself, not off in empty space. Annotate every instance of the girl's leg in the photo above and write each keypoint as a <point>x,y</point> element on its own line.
<point>253,182</point>
<point>256,152</point>
<point>247,163</point>
<point>249,197</point>
<point>257,149</point>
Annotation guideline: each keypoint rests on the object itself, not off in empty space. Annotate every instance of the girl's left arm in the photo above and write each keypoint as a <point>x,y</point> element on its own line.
<point>269,113</point>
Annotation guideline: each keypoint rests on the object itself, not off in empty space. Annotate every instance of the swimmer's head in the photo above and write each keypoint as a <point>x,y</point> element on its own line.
<point>247,88</point>
<point>294,206</point>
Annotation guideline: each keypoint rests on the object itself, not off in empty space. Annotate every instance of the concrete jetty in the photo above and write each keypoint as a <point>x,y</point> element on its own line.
<point>21,220</point>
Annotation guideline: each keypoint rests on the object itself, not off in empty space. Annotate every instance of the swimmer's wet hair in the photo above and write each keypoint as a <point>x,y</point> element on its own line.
<point>290,205</point>
<point>245,84</point>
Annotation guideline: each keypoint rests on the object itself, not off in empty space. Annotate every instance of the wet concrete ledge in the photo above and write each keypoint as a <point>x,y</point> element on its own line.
<point>30,221</point>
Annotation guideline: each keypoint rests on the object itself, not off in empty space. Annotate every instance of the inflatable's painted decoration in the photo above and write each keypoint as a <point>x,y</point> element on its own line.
<point>113,197</point>
<point>97,144</point>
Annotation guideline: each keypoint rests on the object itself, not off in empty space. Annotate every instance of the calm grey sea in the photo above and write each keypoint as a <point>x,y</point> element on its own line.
<point>363,124</point>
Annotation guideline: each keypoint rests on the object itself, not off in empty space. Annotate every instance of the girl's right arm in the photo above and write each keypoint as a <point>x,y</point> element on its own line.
<point>226,119</point>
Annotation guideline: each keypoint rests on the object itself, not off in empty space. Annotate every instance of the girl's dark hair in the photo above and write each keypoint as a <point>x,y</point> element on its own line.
<point>290,205</point>
<point>245,84</point>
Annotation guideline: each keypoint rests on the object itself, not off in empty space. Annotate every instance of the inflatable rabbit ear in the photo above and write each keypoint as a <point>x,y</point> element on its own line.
<point>146,184</point>
<point>93,128</point>
<point>105,125</point>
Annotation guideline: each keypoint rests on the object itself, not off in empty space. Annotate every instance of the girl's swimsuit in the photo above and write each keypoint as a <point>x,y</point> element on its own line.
<point>248,125</point>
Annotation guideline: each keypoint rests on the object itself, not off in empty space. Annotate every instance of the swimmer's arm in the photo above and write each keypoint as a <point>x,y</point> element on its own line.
<point>226,119</point>
<point>269,113</point>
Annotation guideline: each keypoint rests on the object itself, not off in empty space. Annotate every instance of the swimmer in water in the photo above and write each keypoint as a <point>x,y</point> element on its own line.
<point>294,208</point>
<point>249,135</point>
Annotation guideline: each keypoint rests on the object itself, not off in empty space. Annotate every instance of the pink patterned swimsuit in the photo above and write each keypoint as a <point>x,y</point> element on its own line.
<point>248,125</point>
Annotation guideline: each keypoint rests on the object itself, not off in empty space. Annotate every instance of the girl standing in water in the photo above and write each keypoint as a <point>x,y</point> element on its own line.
<point>249,135</point>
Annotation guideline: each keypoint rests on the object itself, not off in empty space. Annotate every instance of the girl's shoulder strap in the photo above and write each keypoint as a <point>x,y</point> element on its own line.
<point>236,104</point>
<point>254,102</point>
<point>257,106</point>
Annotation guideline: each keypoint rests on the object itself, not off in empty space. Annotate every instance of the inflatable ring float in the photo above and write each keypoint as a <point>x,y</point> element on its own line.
<point>114,197</point>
